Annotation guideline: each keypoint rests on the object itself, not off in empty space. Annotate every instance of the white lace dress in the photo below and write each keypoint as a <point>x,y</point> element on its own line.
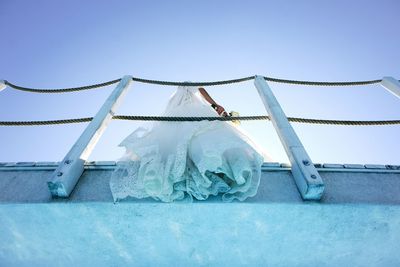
<point>176,161</point>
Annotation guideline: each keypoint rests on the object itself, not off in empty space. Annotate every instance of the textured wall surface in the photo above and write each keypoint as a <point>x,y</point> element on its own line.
<point>357,223</point>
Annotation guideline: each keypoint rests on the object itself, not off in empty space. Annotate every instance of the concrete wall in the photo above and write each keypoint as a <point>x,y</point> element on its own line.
<point>357,223</point>
<point>349,183</point>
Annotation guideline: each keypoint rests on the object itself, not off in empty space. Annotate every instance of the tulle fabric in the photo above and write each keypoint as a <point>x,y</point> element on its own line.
<point>176,161</point>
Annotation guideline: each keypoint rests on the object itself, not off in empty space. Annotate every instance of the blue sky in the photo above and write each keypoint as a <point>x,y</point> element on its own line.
<point>55,44</point>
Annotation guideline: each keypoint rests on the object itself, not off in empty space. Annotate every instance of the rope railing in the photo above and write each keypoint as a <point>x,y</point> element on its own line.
<point>314,83</point>
<point>308,181</point>
<point>173,83</point>
<point>180,119</point>
<point>169,83</point>
<point>60,90</point>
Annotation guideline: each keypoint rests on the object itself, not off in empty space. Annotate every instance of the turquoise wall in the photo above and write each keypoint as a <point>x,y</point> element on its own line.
<point>199,234</point>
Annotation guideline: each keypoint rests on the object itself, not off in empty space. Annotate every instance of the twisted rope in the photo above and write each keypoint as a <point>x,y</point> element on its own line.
<point>61,90</point>
<point>193,83</point>
<point>169,83</point>
<point>50,122</point>
<point>179,119</point>
<point>344,122</point>
<point>93,86</point>
<point>166,118</point>
<point>313,83</point>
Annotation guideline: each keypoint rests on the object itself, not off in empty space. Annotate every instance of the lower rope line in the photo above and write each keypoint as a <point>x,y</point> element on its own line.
<point>50,122</point>
<point>166,118</point>
<point>344,122</point>
<point>180,119</point>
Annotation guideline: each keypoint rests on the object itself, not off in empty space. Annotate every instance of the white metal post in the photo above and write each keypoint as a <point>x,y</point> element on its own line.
<point>307,178</point>
<point>71,168</point>
<point>2,85</point>
<point>392,85</point>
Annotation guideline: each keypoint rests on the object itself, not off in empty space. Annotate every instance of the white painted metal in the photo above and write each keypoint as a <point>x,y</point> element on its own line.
<point>71,168</point>
<point>392,85</point>
<point>307,178</point>
<point>2,85</point>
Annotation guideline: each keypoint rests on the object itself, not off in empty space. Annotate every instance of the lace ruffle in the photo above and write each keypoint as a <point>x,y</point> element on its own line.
<point>176,161</point>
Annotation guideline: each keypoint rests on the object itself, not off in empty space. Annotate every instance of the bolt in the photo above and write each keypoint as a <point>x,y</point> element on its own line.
<point>68,161</point>
<point>59,174</point>
<point>306,162</point>
<point>313,176</point>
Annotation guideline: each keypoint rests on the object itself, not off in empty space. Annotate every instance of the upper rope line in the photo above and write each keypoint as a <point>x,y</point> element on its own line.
<point>60,90</point>
<point>172,83</point>
<point>168,83</point>
<point>314,83</point>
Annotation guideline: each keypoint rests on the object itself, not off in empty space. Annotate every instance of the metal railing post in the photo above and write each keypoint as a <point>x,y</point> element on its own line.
<point>307,178</point>
<point>70,169</point>
<point>2,85</point>
<point>392,85</point>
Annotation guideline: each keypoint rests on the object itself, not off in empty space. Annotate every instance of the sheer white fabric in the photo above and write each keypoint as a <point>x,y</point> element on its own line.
<point>176,161</point>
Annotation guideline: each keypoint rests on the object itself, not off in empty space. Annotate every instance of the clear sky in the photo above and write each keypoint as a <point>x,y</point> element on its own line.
<point>55,44</point>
